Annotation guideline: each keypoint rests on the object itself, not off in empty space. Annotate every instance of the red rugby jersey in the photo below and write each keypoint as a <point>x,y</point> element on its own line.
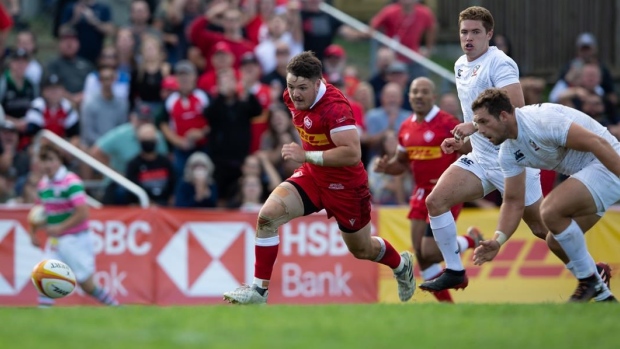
<point>422,141</point>
<point>332,113</point>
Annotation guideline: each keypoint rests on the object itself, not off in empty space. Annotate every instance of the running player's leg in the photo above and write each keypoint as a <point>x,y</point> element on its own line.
<point>287,201</point>
<point>351,208</point>
<point>461,182</point>
<point>584,194</point>
<point>77,250</point>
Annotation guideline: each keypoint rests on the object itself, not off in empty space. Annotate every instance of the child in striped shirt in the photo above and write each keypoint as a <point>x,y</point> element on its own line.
<point>62,194</point>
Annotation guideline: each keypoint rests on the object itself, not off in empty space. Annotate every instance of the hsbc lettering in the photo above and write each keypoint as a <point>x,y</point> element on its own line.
<point>114,237</point>
<point>313,239</point>
<point>296,282</point>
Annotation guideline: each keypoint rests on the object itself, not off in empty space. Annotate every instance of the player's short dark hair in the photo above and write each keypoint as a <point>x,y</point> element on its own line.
<point>306,65</point>
<point>48,149</point>
<point>494,100</point>
<point>478,13</point>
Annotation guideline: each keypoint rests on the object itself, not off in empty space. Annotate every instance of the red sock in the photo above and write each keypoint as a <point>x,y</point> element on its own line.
<point>265,259</point>
<point>470,242</point>
<point>391,258</point>
<point>443,296</point>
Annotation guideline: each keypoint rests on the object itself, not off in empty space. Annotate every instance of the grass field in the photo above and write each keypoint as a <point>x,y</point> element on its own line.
<point>412,325</point>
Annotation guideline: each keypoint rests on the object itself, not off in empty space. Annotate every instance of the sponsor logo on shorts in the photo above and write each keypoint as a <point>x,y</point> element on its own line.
<point>352,221</point>
<point>336,186</point>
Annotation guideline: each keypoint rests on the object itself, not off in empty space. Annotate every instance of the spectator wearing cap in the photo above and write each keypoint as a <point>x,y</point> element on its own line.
<point>334,63</point>
<point>169,85</point>
<point>206,39</point>
<point>407,22</point>
<point>398,73</point>
<point>104,111</point>
<point>26,39</point>
<point>222,59</point>
<point>150,170</point>
<point>587,53</point>
<point>71,68</point>
<point>181,120</point>
<point>250,80</point>
<point>279,30</point>
<point>147,79</point>
<point>92,21</point>
<point>17,92</point>
<point>53,112</point>
<point>230,116</point>
<point>117,147</point>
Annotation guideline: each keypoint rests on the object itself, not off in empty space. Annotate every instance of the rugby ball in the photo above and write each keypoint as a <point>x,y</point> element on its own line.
<point>53,278</point>
<point>37,216</point>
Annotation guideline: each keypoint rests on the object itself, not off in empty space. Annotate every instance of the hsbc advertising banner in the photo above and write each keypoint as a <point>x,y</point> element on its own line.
<point>167,257</point>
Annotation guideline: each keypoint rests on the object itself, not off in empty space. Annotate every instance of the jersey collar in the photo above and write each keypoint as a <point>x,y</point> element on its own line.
<point>431,114</point>
<point>319,95</point>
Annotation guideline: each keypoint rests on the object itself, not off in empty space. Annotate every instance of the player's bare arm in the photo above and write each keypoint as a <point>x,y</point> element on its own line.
<point>515,93</point>
<point>510,214</point>
<point>346,153</point>
<point>580,139</point>
<point>395,165</point>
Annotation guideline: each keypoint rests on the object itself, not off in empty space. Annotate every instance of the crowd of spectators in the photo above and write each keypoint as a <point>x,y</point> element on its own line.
<point>184,97</point>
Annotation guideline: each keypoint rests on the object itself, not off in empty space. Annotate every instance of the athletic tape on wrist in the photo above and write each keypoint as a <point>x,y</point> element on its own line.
<point>501,237</point>
<point>314,157</point>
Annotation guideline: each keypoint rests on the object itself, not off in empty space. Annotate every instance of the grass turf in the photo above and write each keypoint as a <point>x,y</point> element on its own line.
<point>334,326</point>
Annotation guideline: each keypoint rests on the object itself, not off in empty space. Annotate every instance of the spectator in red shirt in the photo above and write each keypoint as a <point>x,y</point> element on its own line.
<point>53,112</point>
<point>206,39</point>
<point>182,121</point>
<point>407,21</point>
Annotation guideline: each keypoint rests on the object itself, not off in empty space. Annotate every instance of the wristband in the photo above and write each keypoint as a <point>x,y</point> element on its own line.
<point>314,157</point>
<point>501,237</point>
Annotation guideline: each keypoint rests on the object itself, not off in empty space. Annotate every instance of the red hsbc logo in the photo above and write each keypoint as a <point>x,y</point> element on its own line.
<point>17,257</point>
<point>205,259</point>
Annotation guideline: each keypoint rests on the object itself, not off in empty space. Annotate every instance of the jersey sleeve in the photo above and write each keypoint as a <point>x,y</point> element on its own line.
<point>76,192</point>
<point>339,118</point>
<point>506,72</point>
<point>507,162</point>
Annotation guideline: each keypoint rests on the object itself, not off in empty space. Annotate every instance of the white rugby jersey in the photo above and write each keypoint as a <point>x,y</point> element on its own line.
<point>493,69</point>
<point>541,140</point>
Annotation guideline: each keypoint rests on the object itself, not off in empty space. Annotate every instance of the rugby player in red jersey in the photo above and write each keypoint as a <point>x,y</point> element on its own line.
<point>331,177</point>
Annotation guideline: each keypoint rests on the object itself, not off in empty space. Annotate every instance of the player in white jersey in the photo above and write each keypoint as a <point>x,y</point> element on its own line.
<point>553,137</point>
<point>478,173</point>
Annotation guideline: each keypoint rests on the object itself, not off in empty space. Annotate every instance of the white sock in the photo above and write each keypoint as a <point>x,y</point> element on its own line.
<point>444,231</point>
<point>571,268</point>
<point>432,271</point>
<point>463,243</point>
<point>574,244</point>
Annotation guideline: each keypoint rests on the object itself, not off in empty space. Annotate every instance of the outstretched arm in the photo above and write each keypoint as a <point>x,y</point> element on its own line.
<point>580,139</point>
<point>510,215</point>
